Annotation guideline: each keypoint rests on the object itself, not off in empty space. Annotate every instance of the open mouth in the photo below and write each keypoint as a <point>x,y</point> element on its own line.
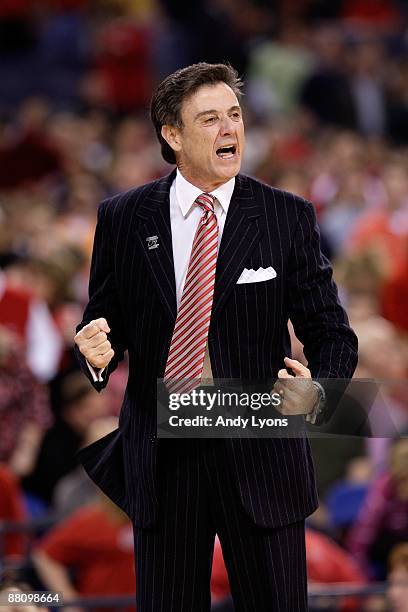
<point>226,152</point>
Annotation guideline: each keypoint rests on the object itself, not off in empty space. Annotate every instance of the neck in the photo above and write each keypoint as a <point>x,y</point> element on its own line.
<point>200,183</point>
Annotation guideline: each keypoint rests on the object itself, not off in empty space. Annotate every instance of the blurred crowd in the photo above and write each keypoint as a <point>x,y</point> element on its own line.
<point>326,110</point>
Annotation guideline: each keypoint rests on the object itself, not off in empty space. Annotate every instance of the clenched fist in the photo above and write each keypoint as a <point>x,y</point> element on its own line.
<point>298,393</point>
<point>93,343</point>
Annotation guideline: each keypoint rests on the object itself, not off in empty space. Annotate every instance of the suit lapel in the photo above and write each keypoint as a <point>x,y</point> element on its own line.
<point>154,235</point>
<point>241,233</point>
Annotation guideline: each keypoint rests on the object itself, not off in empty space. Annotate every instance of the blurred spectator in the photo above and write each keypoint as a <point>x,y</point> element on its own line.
<point>367,87</point>
<point>362,275</point>
<point>398,102</point>
<point>277,69</point>
<point>394,298</point>
<point>130,170</point>
<point>24,410</point>
<point>337,154</point>
<point>204,31</point>
<point>339,217</point>
<point>383,519</point>
<point>398,578</point>
<point>30,321</point>
<point>97,543</point>
<point>386,228</point>
<point>383,14</point>
<point>345,497</point>
<point>328,563</point>
<point>390,362</point>
<point>26,152</point>
<point>77,489</point>
<point>57,455</point>
<point>11,509</point>
<point>121,77</point>
<point>326,93</point>
<point>389,412</point>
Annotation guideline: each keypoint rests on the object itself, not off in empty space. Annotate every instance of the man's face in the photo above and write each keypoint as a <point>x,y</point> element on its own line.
<point>210,144</point>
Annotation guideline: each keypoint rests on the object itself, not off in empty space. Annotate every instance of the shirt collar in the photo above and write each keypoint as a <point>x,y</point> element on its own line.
<point>187,193</point>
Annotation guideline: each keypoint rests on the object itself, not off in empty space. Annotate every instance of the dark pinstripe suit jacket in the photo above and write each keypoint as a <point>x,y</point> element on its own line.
<point>134,289</point>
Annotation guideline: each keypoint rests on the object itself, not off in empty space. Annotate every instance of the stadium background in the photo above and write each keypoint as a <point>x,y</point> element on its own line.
<point>326,109</point>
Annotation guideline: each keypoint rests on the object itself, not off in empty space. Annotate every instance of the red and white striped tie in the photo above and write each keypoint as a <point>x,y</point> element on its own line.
<point>190,335</point>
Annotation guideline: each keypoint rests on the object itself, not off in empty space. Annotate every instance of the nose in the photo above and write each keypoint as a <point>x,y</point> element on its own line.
<point>227,126</point>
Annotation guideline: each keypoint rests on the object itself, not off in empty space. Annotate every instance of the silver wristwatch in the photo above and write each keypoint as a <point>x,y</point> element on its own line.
<point>320,405</point>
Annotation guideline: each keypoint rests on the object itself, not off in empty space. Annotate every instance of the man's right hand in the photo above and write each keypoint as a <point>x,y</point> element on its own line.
<point>93,343</point>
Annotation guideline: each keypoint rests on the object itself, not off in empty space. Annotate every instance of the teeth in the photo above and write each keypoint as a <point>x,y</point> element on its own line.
<point>226,152</point>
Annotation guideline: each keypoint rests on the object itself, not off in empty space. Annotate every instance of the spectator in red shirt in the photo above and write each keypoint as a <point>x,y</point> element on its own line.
<point>121,80</point>
<point>328,563</point>
<point>394,297</point>
<point>97,543</point>
<point>384,230</point>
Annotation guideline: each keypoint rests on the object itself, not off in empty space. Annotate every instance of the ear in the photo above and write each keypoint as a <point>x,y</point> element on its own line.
<point>171,135</point>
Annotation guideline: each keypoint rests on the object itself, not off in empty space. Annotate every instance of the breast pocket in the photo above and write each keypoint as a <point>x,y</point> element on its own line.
<point>257,302</point>
<point>260,287</point>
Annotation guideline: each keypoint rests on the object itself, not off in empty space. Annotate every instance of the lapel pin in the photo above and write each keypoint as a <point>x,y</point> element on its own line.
<point>152,242</point>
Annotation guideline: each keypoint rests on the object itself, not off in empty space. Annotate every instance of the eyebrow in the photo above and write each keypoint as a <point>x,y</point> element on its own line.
<point>214,111</point>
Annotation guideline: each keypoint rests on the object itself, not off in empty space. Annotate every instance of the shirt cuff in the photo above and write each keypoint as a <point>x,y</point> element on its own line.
<point>96,374</point>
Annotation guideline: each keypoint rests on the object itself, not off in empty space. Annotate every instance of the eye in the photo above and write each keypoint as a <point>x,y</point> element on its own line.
<point>210,120</point>
<point>236,115</point>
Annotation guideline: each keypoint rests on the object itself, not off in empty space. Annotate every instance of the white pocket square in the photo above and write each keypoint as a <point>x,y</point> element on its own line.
<point>256,276</point>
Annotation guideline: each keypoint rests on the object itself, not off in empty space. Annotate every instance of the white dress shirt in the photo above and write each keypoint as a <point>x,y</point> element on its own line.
<point>184,218</point>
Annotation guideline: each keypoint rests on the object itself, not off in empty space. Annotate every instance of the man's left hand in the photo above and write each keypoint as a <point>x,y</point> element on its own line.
<point>298,396</point>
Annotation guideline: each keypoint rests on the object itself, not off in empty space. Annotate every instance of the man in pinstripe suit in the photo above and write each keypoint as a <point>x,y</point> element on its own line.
<point>255,494</point>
